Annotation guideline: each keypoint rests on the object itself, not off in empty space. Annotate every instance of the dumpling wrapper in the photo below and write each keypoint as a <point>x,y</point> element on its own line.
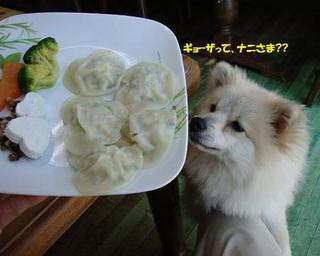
<point>153,131</point>
<point>95,75</point>
<point>81,162</point>
<point>146,86</point>
<point>99,119</point>
<point>78,143</point>
<point>113,168</point>
<point>68,108</point>
<point>102,119</point>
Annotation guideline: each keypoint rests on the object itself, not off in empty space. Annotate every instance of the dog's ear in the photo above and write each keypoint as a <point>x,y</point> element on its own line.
<point>223,74</point>
<point>283,113</point>
<point>220,74</point>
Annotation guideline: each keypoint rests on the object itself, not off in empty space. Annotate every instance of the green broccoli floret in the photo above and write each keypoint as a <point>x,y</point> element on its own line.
<point>41,69</point>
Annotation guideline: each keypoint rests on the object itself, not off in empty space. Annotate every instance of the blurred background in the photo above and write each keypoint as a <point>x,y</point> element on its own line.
<point>296,23</point>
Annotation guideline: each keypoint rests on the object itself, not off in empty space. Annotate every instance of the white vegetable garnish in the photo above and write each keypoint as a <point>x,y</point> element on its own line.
<point>32,105</point>
<point>153,131</point>
<point>30,129</point>
<point>146,86</point>
<point>32,135</point>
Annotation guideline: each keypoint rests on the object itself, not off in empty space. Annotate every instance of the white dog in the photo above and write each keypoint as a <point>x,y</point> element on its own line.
<point>247,150</point>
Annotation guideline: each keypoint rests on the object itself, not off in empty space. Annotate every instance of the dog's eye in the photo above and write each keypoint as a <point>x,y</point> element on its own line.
<point>212,107</point>
<point>235,125</point>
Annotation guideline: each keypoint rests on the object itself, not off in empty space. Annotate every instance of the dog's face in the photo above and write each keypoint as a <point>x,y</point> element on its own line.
<point>222,125</point>
<point>241,123</point>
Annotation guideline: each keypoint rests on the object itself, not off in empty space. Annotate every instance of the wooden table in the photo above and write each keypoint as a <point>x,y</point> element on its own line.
<point>39,227</point>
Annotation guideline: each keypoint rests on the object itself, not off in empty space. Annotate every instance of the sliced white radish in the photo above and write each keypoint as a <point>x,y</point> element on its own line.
<point>33,105</point>
<point>32,135</point>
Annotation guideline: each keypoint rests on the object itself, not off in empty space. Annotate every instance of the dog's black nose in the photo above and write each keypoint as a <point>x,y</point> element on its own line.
<point>197,124</point>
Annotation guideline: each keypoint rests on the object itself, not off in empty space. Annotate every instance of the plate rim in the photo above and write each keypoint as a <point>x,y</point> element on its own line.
<point>181,67</point>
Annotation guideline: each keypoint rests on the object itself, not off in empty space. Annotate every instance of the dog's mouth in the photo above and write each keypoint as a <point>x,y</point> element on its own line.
<point>198,142</point>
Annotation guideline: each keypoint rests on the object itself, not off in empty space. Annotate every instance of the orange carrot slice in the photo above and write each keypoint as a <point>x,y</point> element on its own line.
<point>9,86</point>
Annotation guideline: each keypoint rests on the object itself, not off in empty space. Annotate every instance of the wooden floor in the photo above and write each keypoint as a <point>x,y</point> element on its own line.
<point>123,225</point>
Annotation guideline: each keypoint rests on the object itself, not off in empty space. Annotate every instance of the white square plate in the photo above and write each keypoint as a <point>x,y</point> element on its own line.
<point>136,39</point>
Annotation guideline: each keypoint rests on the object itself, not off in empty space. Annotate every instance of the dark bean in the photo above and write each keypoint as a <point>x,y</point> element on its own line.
<point>14,148</point>
<point>13,157</point>
<point>12,103</point>
<point>20,153</point>
<point>7,143</point>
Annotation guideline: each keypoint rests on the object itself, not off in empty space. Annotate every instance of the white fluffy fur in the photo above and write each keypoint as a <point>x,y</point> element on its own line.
<point>256,172</point>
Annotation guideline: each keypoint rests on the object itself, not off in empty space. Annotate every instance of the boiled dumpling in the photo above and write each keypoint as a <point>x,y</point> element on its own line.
<point>153,131</point>
<point>146,86</point>
<point>112,168</point>
<point>98,118</point>
<point>68,113</point>
<point>81,162</point>
<point>102,119</point>
<point>107,142</point>
<point>95,75</point>
<point>77,143</point>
